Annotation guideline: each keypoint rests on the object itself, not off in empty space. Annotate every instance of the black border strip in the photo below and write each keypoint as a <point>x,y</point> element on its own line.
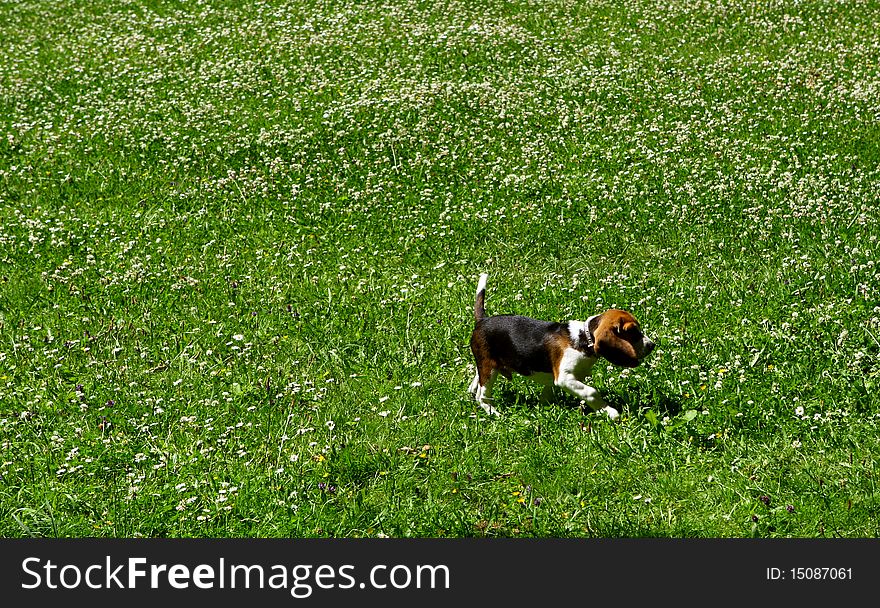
<point>519,572</point>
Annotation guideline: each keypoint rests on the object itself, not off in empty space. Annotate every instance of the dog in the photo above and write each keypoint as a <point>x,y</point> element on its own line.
<point>555,354</point>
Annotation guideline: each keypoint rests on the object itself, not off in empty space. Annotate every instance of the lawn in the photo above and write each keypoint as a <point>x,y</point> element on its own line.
<point>239,244</point>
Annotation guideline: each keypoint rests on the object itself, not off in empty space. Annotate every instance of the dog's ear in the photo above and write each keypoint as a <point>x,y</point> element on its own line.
<point>626,325</point>
<point>611,343</point>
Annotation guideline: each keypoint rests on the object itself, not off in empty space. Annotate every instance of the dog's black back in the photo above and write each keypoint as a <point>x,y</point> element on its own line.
<point>517,343</point>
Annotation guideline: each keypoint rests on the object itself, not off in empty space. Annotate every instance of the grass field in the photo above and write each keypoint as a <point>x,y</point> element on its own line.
<point>239,244</point>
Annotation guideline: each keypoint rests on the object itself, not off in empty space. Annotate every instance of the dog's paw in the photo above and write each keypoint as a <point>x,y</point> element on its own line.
<point>472,388</point>
<point>613,414</point>
<point>488,408</point>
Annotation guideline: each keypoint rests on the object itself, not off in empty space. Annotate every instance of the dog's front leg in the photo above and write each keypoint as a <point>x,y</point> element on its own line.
<point>570,383</point>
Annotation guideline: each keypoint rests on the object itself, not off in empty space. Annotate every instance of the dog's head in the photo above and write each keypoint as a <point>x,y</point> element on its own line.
<point>619,338</point>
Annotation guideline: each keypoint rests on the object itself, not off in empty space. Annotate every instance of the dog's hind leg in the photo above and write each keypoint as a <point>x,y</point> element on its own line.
<point>484,392</point>
<point>472,389</point>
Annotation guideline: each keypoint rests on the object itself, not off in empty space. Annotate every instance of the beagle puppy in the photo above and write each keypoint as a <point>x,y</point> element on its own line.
<point>554,354</point>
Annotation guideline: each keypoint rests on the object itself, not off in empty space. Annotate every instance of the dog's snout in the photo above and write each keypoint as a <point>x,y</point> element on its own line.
<point>649,346</point>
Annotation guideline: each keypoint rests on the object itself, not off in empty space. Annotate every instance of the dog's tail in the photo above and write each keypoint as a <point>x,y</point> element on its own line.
<point>480,303</point>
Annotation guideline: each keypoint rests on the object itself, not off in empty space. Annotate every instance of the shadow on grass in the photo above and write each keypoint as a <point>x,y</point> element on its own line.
<point>636,398</point>
<point>631,399</point>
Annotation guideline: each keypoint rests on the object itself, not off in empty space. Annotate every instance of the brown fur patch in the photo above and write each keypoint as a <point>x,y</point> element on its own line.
<point>482,356</point>
<point>613,337</point>
<point>556,345</point>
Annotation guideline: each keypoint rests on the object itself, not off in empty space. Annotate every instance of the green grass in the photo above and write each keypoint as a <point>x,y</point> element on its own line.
<point>239,246</point>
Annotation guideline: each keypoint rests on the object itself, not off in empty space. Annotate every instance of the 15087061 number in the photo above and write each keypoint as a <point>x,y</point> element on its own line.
<point>820,574</point>
<point>810,574</point>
